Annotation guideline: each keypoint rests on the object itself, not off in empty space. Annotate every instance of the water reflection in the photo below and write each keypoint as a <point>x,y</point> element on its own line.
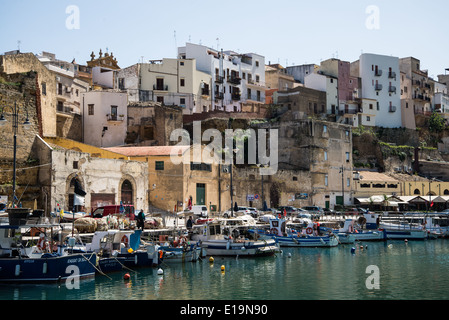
<point>413,270</point>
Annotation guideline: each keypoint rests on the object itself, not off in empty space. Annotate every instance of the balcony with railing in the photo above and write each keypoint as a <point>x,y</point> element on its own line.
<point>392,89</point>
<point>236,95</point>
<point>392,109</point>
<point>64,109</point>
<point>157,87</point>
<point>378,73</point>
<point>219,95</point>
<point>234,80</point>
<point>219,79</point>
<point>392,75</point>
<point>378,87</point>
<point>114,117</point>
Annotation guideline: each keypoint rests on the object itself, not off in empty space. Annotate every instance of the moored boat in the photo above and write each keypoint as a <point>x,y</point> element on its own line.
<point>42,262</point>
<point>308,236</point>
<point>215,243</point>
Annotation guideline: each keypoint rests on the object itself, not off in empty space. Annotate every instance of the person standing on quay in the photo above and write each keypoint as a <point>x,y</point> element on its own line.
<point>140,219</point>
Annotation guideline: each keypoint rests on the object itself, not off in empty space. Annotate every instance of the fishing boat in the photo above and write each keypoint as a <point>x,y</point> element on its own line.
<point>351,227</point>
<point>396,229</point>
<point>437,225</point>
<point>24,261</point>
<point>179,250</point>
<point>307,236</point>
<point>215,242</point>
<point>119,249</point>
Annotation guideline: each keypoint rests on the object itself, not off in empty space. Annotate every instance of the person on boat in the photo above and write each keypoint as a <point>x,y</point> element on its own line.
<point>141,220</point>
<point>190,223</point>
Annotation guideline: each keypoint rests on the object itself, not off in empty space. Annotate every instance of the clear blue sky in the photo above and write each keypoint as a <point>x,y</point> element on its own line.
<point>285,31</point>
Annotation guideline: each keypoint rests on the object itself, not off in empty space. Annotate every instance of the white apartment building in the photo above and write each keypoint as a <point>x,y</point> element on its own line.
<point>380,82</point>
<point>327,84</point>
<point>170,82</point>
<point>105,116</point>
<point>236,78</point>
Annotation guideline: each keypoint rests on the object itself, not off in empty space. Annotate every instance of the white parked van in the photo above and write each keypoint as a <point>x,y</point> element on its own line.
<point>200,211</point>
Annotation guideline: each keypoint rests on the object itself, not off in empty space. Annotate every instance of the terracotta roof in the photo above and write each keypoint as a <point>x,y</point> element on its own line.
<point>147,151</point>
<point>376,176</point>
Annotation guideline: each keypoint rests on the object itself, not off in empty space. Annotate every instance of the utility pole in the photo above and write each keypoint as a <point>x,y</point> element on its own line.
<point>342,171</point>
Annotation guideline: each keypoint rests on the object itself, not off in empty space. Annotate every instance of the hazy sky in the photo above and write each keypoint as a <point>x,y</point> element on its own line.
<point>289,32</point>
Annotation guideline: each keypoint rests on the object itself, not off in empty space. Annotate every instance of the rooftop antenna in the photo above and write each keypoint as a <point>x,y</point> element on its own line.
<point>18,45</point>
<point>218,43</point>
<point>176,44</point>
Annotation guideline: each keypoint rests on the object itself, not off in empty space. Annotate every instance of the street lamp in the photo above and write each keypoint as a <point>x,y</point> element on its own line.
<point>15,126</point>
<point>261,175</point>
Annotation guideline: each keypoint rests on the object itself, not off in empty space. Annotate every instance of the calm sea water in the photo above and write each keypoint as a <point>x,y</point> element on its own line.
<point>407,271</point>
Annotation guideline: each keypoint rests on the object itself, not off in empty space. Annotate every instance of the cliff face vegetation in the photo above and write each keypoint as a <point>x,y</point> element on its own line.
<point>388,149</point>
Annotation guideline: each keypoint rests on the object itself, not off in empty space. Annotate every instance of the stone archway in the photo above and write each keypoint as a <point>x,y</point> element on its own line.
<point>127,190</point>
<point>70,191</point>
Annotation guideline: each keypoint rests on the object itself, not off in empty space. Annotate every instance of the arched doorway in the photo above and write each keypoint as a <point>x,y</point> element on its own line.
<point>127,193</point>
<point>71,193</point>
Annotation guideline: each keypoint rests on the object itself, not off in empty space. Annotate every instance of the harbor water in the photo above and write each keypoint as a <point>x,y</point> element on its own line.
<point>413,270</point>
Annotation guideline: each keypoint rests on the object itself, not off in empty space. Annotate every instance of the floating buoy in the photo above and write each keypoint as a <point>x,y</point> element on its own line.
<point>289,255</point>
<point>223,268</point>
<point>366,247</point>
<point>361,247</point>
<point>352,250</point>
<point>160,271</point>
<point>126,276</point>
<point>211,259</point>
<point>406,240</point>
<point>390,246</point>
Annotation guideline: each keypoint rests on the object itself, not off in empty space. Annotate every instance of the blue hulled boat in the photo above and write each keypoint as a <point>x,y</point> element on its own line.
<point>287,237</point>
<point>39,262</point>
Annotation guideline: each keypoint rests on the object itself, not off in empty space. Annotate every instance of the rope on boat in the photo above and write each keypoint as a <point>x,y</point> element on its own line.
<point>123,266</point>
<point>101,272</point>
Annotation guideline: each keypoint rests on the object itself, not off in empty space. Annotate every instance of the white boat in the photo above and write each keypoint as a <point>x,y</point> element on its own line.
<point>43,262</point>
<point>215,243</point>
<point>287,237</point>
<point>359,234</point>
<point>398,229</point>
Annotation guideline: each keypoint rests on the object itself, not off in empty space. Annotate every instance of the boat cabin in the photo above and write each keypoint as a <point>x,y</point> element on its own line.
<point>112,241</point>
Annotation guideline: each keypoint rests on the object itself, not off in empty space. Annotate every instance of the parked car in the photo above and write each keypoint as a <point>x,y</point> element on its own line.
<point>254,212</point>
<point>329,211</point>
<point>240,211</point>
<point>289,209</point>
<point>114,209</point>
<point>199,211</point>
<point>270,211</point>
<point>315,211</point>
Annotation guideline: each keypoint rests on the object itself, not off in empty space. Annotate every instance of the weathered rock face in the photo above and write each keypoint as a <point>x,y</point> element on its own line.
<point>20,90</point>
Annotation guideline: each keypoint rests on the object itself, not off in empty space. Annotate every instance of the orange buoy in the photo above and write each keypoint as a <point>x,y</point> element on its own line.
<point>126,276</point>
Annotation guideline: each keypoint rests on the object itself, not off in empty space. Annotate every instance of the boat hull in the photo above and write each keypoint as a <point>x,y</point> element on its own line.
<point>380,235</point>
<point>298,241</point>
<point>179,255</point>
<point>245,248</point>
<point>137,259</point>
<point>314,242</point>
<point>111,264</point>
<point>406,234</point>
<point>47,269</point>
